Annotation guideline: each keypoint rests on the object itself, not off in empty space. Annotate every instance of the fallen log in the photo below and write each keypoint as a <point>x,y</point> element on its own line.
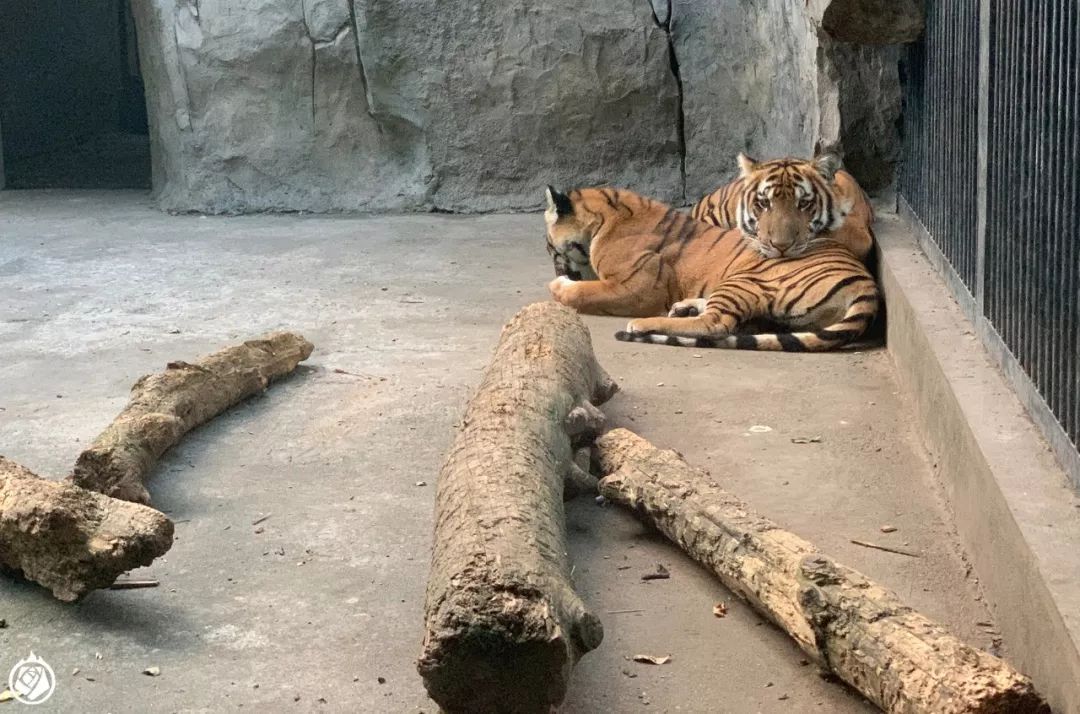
<point>72,540</point>
<point>165,406</point>
<point>504,626</point>
<point>855,628</point>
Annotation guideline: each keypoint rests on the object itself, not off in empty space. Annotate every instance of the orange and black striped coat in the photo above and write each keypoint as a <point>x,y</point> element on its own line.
<point>643,259</point>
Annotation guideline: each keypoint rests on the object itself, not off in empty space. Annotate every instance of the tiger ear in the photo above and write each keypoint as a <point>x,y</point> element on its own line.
<point>557,202</point>
<point>746,165</point>
<point>827,165</point>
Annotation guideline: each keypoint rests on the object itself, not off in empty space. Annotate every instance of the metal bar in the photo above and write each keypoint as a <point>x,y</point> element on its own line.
<point>1054,307</point>
<point>1034,245</point>
<point>994,178</point>
<point>1071,292</point>
<point>1022,258</point>
<point>981,172</point>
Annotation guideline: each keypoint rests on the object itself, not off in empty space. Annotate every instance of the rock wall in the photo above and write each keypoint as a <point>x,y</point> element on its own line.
<point>860,101</point>
<point>748,70</point>
<point>356,105</point>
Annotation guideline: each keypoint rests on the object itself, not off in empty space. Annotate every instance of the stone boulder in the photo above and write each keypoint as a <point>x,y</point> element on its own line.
<point>860,101</point>
<point>873,22</point>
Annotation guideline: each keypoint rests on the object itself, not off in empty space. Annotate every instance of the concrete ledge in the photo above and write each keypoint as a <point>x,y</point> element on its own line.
<point>1018,519</point>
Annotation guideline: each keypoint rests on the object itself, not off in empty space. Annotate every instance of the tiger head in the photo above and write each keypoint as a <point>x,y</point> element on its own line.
<point>787,204</point>
<point>569,235</point>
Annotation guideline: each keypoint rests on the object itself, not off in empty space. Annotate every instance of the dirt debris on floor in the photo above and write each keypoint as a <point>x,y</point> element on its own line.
<point>326,599</point>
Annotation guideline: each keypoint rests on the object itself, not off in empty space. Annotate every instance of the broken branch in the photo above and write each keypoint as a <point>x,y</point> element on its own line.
<point>886,548</point>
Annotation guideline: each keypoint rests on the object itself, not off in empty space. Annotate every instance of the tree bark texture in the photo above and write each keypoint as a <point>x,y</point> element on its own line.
<point>894,656</point>
<point>165,406</point>
<point>72,540</point>
<point>504,625</point>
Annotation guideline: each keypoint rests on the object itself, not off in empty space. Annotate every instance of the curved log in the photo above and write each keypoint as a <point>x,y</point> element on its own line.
<point>165,406</point>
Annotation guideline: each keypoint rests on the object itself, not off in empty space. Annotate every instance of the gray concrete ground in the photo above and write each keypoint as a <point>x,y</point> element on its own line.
<point>319,607</point>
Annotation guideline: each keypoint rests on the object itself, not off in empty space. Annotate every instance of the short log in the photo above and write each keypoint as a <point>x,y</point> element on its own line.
<point>862,632</point>
<point>504,626</point>
<point>72,540</point>
<point>165,406</point>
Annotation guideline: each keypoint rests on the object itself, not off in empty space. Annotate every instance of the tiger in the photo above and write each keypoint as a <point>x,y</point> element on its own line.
<point>788,207</point>
<point>644,259</point>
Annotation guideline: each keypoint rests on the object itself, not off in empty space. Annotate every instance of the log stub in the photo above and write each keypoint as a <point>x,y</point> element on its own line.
<point>71,540</point>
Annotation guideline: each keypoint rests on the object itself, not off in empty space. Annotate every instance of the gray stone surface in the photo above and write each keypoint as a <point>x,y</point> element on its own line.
<point>327,105</point>
<point>512,96</point>
<point>748,73</point>
<point>860,100</point>
<point>283,105</point>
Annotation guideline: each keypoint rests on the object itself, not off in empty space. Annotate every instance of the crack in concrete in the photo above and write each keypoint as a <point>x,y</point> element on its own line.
<point>680,125</point>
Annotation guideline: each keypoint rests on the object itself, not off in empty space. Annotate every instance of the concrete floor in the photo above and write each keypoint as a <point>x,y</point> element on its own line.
<point>319,607</point>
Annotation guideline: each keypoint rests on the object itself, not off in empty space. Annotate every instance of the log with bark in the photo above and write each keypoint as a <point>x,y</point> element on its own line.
<point>165,406</point>
<point>504,625</point>
<point>852,626</point>
<point>72,540</point>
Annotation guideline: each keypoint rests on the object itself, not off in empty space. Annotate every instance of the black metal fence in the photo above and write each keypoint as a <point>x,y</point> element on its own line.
<point>991,171</point>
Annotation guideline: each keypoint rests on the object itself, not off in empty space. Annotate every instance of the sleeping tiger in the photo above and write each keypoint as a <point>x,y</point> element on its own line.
<point>790,206</point>
<point>643,257</point>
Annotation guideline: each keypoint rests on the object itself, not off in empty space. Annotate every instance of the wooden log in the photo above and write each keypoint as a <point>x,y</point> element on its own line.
<point>857,629</point>
<point>165,406</point>
<point>72,540</point>
<point>504,626</point>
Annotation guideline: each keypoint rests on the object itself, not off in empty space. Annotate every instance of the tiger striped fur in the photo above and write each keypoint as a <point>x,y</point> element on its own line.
<point>647,257</point>
<point>791,206</point>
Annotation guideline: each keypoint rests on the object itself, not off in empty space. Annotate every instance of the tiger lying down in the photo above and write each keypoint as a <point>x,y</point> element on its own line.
<point>789,261</point>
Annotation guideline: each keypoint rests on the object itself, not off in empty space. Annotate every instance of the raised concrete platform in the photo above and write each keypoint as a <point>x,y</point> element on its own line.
<point>1010,499</point>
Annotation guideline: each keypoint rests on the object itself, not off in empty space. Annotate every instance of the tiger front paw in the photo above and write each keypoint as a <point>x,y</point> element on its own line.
<point>561,289</point>
<point>645,324</point>
<point>688,308</point>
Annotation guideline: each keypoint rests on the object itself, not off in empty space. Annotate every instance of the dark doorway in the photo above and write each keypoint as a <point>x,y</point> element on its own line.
<point>72,106</point>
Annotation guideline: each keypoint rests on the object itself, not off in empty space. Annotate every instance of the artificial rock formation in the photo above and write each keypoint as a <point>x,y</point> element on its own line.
<point>343,105</point>
<point>504,626</point>
<point>872,22</point>
<point>72,540</point>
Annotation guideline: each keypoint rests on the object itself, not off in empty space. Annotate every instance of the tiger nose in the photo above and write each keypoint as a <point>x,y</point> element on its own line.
<point>782,246</point>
